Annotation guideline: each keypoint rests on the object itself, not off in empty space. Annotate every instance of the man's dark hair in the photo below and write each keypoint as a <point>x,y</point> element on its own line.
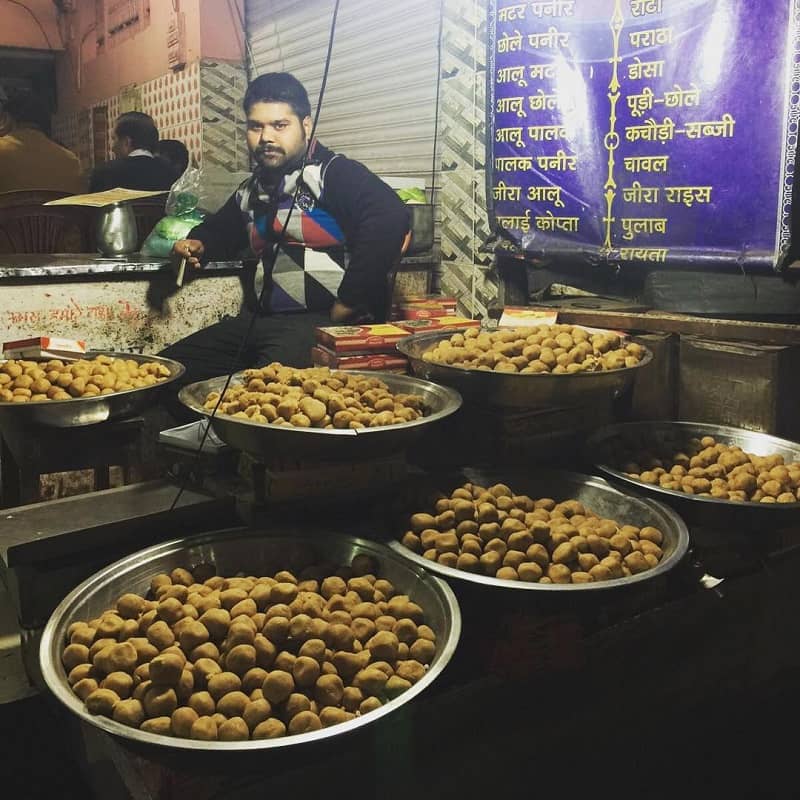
<point>175,152</point>
<point>140,128</point>
<point>278,87</point>
<point>27,109</point>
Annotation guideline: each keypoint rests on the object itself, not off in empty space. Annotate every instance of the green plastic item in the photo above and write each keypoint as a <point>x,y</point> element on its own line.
<point>414,195</point>
<point>176,227</point>
<point>185,202</point>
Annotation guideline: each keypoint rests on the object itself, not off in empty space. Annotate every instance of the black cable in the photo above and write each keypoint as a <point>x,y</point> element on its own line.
<point>276,248</point>
<point>250,61</point>
<point>436,114</point>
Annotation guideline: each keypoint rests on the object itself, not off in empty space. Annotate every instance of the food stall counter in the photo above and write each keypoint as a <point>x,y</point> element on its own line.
<point>128,304</point>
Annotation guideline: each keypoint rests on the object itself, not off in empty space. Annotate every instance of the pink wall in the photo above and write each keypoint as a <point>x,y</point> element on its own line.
<point>18,28</point>
<point>221,35</point>
<point>141,58</point>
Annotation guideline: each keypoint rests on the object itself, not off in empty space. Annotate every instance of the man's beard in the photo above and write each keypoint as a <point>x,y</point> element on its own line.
<point>270,172</point>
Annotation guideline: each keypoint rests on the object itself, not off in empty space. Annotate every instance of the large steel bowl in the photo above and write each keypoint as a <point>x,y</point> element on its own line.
<point>597,495</point>
<point>514,390</point>
<point>254,552</point>
<point>266,441</point>
<point>80,411</point>
<point>606,447</point>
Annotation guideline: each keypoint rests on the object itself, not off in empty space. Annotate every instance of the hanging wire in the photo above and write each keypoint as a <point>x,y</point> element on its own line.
<point>434,164</point>
<point>474,249</point>
<point>274,254</point>
<point>233,8</point>
<point>35,19</point>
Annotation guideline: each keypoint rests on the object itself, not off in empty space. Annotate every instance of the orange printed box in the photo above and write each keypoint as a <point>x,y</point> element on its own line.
<point>428,308</point>
<point>437,324</point>
<point>381,362</point>
<point>360,338</point>
<point>44,347</point>
<point>424,312</point>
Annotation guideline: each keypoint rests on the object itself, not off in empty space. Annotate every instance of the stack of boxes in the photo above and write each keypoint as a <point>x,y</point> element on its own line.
<point>373,347</point>
<point>429,313</point>
<point>363,347</point>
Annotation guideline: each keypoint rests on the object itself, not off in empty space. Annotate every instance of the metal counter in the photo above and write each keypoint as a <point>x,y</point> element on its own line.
<point>50,265</point>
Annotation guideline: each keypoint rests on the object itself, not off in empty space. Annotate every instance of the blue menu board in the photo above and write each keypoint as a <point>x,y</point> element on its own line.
<point>648,131</point>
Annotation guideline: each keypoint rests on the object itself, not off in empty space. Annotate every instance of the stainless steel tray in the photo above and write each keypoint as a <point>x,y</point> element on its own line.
<point>252,551</point>
<point>80,411</point>
<point>594,493</point>
<point>264,441</point>
<point>605,447</point>
<point>509,389</point>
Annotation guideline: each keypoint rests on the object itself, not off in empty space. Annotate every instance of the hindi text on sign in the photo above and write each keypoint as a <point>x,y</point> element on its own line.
<point>654,254</point>
<point>549,222</point>
<point>546,194</point>
<point>512,75</point>
<point>553,8</point>
<point>642,226</point>
<point>646,163</point>
<point>513,163</point>
<point>654,37</point>
<point>641,8</point>
<point>560,162</point>
<point>510,13</point>
<point>636,193</point>
<point>640,70</point>
<point>503,192</point>
<point>553,39</point>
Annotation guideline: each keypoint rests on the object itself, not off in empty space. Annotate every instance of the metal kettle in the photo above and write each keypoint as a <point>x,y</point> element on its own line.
<point>115,232</point>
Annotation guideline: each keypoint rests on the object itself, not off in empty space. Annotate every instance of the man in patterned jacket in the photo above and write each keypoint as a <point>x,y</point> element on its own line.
<point>345,231</point>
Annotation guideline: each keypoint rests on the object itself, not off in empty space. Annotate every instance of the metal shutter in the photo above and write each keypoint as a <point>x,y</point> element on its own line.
<point>380,101</point>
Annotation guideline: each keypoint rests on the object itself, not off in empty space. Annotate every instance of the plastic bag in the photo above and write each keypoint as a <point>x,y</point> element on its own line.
<point>412,195</point>
<point>183,213</point>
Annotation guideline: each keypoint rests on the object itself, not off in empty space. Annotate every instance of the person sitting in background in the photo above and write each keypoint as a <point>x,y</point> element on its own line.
<point>175,153</point>
<point>29,158</point>
<point>134,166</point>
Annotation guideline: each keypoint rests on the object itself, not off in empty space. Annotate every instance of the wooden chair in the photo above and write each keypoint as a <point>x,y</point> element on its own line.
<point>30,197</point>
<point>34,228</point>
<point>147,212</point>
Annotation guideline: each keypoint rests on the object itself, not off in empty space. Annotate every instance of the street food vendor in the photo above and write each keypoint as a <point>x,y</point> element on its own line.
<point>344,230</point>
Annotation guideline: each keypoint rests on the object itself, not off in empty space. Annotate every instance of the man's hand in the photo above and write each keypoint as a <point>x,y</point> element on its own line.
<point>341,313</point>
<point>190,249</point>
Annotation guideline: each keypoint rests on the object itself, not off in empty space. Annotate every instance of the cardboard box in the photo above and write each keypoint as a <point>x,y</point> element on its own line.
<point>382,362</point>
<point>487,436</point>
<point>423,312</point>
<point>440,323</point>
<point>427,308</point>
<point>522,317</point>
<point>361,338</point>
<point>45,347</point>
<point>290,481</point>
<point>746,385</point>
<point>655,389</point>
<point>421,299</point>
